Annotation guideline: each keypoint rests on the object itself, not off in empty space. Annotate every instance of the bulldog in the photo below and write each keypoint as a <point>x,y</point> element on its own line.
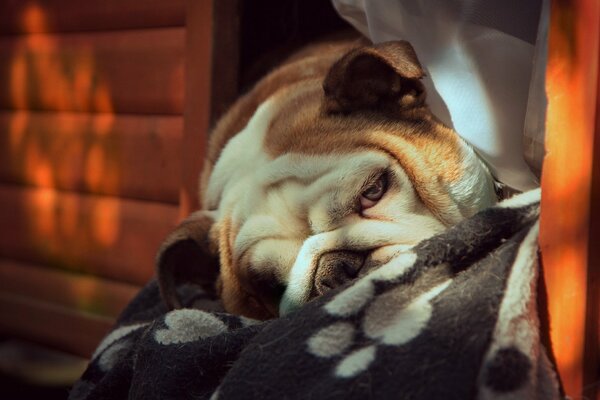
<point>330,166</point>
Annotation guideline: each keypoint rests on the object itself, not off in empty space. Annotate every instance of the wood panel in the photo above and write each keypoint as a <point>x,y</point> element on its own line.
<point>125,155</point>
<point>54,326</point>
<point>104,236</point>
<point>591,378</point>
<point>212,49</point>
<point>565,235</point>
<point>74,291</point>
<point>136,71</point>
<point>199,42</point>
<point>47,16</point>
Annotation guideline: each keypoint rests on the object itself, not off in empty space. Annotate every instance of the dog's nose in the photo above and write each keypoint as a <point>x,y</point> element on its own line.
<point>335,269</point>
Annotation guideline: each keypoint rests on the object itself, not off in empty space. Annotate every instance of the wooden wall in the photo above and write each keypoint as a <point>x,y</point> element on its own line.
<point>91,119</point>
<point>104,112</point>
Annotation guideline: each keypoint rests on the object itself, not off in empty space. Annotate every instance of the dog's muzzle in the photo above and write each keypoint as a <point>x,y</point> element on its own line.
<point>335,269</point>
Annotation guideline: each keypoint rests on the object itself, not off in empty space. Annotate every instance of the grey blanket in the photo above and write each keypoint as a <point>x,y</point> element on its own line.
<point>461,316</point>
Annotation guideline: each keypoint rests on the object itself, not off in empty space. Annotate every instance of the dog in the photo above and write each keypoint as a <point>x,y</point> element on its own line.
<point>330,166</point>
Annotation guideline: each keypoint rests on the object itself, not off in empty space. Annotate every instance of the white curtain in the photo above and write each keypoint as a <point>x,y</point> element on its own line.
<point>479,58</point>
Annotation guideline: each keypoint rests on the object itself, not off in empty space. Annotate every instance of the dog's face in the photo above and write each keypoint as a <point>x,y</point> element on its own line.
<point>331,177</point>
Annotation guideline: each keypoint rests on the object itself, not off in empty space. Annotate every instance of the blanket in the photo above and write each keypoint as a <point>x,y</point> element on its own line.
<point>459,316</point>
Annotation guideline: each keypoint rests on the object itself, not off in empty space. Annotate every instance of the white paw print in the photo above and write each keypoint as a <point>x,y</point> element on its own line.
<point>188,325</point>
<point>115,335</point>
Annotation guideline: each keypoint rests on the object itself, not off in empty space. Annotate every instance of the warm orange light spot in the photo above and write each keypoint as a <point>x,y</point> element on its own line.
<point>51,72</point>
<point>105,221</point>
<point>58,144</point>
<point>53,90</point>
<point>42,206</point>
<point>18,81</point>
<point>570,82</point>
<point>82,80</point>
<point>17,130</point>
<point>103,124</point>
<point>65,76</point>
<point>43,175</point>
<point>34,19</point>
<point>102,99</point>
<point>95,167</point>
<point>566,282</point>
<point>37,165</point>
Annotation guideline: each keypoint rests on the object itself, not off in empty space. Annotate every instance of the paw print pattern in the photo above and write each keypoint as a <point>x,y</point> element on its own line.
<point>356,362</point>
<point>353,299</point>
<point>332,340</point>
<point>392,326</point>
<point>114,346</point>
<point>109,358</point>
<point>188,325</point>
<point>384,321</point>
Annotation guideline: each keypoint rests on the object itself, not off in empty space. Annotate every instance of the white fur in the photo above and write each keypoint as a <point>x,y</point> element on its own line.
<point>475,191</point>
<point>242,155</point>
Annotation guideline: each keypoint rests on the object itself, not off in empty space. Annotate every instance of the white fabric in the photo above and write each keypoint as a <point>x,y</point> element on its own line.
<point>478,56</point>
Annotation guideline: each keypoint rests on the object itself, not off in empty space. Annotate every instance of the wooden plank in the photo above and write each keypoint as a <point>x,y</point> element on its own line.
<point>591,377</point>
<point>57,327</point>
<point>571,82</point>
<point>49,16</point>
<point>105,236</point>
<point>123,155</point>
<point>73,291</point>
<point>198,63</point>
<point>136,71</point>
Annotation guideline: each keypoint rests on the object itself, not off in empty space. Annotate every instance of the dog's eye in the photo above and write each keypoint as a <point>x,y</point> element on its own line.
<point>371,195</point>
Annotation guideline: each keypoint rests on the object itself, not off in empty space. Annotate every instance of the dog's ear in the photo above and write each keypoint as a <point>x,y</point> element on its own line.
<point>385,76</point>
<point>187,255</point>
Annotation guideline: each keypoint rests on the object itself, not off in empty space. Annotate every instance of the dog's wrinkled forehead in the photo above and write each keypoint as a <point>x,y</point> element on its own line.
<point>320,188</point>
<point>296,189</point>
<point>247,173</point>
<point>295,196</point>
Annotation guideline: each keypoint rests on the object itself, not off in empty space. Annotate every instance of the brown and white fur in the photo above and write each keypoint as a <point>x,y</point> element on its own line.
<point>290,174</point>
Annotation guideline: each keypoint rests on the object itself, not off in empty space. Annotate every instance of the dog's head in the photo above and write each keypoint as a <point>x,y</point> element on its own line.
<point>330,177</point>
